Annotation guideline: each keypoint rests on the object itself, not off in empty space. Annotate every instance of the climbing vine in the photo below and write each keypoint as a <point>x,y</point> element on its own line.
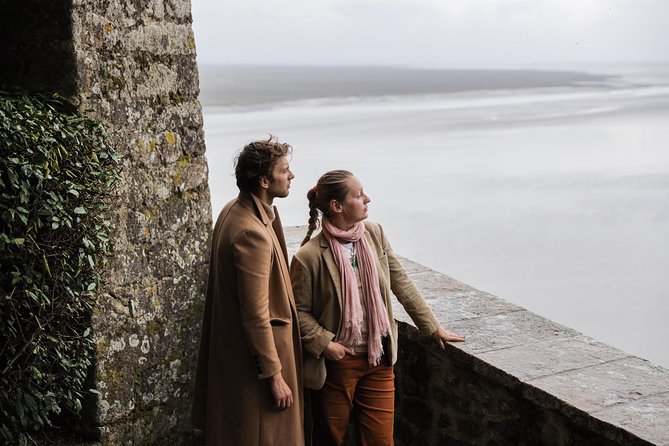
<point>56,174</point>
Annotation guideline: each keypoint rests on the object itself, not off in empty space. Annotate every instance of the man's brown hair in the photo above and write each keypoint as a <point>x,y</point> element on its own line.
<point>256,160</point>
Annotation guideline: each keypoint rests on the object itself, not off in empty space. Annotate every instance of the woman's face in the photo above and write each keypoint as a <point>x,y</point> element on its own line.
<point>354,207</point>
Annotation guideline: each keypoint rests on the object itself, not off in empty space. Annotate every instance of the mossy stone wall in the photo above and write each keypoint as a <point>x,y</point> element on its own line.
<point>136,69</point>
<point>132,66</point>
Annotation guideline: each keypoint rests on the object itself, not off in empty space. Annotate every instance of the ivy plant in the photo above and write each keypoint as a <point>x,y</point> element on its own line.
<point>56,174</point>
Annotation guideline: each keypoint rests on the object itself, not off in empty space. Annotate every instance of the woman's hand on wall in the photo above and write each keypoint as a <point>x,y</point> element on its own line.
<point>442,336</point>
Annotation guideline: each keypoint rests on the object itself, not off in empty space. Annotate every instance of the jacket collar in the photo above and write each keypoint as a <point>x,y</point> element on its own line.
<point>262,210</point>
<point>331,265</point>
<point>268,215</point>
<point>270,218</point>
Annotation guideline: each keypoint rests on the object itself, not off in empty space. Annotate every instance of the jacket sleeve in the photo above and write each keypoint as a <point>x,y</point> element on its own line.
<point>406,292</point>
<point>252,256</point>
<point>314,336</point>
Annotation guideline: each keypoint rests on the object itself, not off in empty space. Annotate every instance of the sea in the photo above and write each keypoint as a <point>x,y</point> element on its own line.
<point>548,187</point>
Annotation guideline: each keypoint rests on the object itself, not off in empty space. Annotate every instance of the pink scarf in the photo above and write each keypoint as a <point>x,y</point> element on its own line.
<point>377,316</point>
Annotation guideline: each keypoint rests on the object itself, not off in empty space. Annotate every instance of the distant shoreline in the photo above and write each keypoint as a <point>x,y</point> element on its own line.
<point>234,85</point>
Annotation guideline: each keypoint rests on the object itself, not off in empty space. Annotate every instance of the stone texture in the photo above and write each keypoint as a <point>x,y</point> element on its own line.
<point>530,361</point>
<point>646,417</point>
<point>137,72</point>
<point>592,388</point>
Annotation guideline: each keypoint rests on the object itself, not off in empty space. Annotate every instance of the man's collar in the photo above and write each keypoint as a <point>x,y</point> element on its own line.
<point>251,201</point>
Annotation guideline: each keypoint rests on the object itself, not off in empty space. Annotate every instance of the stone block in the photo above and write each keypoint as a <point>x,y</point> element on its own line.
<point>608,384</point>
<point>646,417</point>
<point>534,360</point>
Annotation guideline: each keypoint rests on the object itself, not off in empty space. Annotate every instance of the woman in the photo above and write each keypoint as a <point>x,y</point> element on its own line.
<point>342,281</point>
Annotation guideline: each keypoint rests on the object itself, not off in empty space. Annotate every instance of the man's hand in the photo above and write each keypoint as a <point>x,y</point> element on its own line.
<point>334,351</point>
<point>283,396</point>
<point>441,336</point>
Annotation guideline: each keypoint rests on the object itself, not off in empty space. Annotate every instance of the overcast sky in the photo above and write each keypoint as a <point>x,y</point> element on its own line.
<point>431,32</point>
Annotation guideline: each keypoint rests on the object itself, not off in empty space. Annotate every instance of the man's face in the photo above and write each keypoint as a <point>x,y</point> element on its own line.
<point>279,183</point>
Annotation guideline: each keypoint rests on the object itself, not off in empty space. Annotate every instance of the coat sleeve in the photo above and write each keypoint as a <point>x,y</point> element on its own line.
<point>406,292</point>
<point>314,336</point>
<point>252,256</point>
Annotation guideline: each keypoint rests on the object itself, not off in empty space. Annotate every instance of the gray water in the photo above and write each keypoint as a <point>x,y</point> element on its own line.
<point>549,189</point>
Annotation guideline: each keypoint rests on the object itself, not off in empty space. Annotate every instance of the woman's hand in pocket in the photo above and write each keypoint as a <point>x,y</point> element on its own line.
<point>334,351</point>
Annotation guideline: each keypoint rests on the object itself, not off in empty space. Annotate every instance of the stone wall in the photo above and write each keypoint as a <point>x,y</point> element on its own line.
<point>136,70</point>
<point>442,400</point>
<point>519,379</point>
<point>132,65</point>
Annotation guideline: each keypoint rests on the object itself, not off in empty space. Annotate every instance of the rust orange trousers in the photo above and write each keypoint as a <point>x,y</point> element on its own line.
<point>354,389</point>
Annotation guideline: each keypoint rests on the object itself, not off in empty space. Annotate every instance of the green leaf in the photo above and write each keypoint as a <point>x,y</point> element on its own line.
<point>21,410</point>
<point>45,263</point>
<point>36,373</point>
<point>80,210</point>
<point>30,402</point>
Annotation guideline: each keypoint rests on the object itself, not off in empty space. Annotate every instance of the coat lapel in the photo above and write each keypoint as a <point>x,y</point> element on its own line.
<point>278,232</point>
<point>274,228</point>
<point>331,265</point>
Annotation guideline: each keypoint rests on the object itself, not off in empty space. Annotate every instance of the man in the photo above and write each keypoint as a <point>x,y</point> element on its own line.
<point>248,385</point>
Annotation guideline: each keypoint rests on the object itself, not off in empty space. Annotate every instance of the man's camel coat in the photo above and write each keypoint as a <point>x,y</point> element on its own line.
<point>317,287</point>
<point>249,333</point>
